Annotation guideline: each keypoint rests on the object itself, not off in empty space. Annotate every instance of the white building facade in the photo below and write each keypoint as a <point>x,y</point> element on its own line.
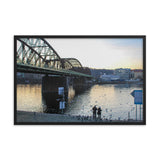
<point>123,73</point>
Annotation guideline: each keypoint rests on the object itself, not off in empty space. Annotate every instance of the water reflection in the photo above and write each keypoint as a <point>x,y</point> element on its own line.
<point>29,98</point>
<point>115,100</point>
<point>56,102</point>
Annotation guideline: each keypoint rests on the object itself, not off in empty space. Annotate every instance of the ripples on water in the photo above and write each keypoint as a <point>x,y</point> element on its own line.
<point>114,99</point>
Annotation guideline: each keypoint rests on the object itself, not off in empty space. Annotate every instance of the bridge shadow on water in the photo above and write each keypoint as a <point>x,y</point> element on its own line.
<point>53,102</point>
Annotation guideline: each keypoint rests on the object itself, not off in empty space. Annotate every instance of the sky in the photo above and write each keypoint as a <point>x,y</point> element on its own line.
<point>101,53</point>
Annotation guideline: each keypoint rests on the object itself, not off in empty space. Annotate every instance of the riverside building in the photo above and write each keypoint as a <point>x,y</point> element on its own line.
<point>123,73</point>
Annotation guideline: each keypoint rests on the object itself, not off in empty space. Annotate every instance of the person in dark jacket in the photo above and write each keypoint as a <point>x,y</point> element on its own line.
<point>99,113</point>
<point>94,111</point>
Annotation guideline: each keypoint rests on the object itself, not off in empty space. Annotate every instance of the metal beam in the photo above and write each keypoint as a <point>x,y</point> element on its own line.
<point>40,70</point>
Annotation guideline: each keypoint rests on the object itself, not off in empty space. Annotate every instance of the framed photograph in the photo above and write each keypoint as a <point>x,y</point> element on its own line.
<point>86,80</point>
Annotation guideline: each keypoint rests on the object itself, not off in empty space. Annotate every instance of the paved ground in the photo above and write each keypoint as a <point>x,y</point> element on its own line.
<point>35,117</point>
<point>23,116</point>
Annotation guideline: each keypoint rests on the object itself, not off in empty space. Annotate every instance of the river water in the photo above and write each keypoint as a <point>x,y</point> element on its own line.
<point>115,101</point>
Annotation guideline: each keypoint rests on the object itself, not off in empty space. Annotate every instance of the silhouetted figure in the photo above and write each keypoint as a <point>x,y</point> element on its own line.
<point>94,112</point>
<point>99,113</point>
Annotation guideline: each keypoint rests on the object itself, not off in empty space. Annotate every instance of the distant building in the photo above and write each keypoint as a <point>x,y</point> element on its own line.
<point>96,73</point>
<point>20,75</point>
<point>123,73</point>
<point>137,74</point>
<point>112,77</point>
<point>29,78</point>
<point>29,75</point>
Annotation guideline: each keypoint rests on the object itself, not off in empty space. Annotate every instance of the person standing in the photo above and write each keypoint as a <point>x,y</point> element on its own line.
<point>94,111</point>
<point>99,113</point>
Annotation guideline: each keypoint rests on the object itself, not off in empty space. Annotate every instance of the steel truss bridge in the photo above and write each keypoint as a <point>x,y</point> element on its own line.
<point>36,55</point>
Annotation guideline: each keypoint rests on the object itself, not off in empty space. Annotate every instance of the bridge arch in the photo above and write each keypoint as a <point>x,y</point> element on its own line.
<point>38,52</point>
<point>74,62</point>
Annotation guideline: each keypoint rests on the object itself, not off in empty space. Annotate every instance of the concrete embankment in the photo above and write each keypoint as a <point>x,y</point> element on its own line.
<point>35,117</point>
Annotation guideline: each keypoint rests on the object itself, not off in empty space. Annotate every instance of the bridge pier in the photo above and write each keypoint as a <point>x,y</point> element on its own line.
<point>81,84</point>
<point>50,95</point>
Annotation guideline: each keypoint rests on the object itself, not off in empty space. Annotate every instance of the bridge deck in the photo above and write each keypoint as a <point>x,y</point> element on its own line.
<point>40,70</point>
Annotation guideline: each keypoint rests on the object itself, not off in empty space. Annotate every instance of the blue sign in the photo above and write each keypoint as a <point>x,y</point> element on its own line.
<point>61,105</point>
<point>138,96</point>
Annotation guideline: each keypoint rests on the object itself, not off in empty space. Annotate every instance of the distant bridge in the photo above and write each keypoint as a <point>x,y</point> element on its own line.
<point>36,55</point>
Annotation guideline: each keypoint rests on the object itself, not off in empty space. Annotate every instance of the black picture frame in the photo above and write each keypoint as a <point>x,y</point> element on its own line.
<point>81,123</point>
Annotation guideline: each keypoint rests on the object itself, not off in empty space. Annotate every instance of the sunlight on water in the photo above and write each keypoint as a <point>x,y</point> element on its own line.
<point>114,99</point>
<point>29,98</point>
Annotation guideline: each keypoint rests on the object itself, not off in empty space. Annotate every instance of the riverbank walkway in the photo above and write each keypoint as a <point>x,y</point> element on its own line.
<point>36,117</point>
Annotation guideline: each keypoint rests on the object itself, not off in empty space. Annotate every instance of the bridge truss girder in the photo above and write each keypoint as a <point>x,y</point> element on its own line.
<point>39,53</point>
